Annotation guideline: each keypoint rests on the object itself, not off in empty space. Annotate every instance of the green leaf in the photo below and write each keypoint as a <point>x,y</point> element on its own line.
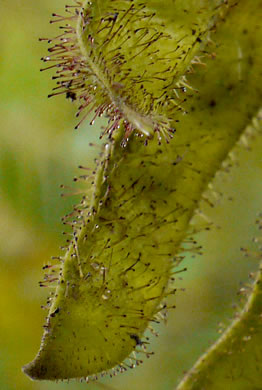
<point>234,361</point>
<point>128,235</point>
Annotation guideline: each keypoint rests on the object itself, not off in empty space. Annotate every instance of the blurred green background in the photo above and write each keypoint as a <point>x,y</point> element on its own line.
<point>39,150</point>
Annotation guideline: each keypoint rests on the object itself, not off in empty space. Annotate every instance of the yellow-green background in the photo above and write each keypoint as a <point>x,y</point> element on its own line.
<point>39,150</point>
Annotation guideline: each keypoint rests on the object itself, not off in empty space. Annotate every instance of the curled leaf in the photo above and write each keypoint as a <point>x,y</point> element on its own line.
<point>128,236</point>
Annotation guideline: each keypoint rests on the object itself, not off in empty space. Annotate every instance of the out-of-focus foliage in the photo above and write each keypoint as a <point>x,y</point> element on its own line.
<point>38,152</point>
<point>234,360</point>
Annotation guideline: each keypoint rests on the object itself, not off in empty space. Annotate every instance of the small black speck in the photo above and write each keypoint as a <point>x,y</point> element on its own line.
<point>55,312</point>
<point>212,103</point>
<point>136,338</point>
<point>71,95</point>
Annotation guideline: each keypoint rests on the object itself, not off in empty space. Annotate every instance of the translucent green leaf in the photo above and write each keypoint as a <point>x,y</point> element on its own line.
<point>128,235</point>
